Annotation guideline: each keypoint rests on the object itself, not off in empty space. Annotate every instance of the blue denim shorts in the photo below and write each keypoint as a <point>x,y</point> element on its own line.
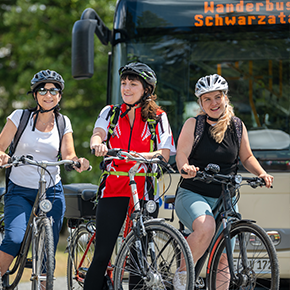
<point>190,205</point>
<point>18,202</point>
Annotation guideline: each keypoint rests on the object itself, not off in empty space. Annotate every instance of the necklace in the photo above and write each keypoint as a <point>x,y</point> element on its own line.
<point>45,122</point>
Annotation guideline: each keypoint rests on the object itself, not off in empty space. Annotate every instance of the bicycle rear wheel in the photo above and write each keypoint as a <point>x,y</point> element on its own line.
<point>162,248</point>
<point>44,260</point>
<point>81,252</point>
<point>261,270</point>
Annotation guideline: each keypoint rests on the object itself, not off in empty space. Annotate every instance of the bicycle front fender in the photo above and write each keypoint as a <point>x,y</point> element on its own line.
<point>243,221</point>
<point>154,221</point>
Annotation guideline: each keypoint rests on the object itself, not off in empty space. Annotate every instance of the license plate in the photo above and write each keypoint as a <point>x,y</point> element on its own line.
<point>258,265</point>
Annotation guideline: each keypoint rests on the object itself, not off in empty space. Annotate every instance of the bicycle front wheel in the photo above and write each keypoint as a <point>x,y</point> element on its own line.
<point>255,260</point>
<point>162,248</point>
<point>81,252</point>
<point>44,259</point>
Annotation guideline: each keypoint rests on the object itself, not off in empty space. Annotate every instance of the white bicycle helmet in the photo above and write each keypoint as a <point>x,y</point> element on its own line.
<point>211,83</point>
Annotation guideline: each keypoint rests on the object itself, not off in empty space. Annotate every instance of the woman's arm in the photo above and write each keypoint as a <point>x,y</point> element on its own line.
<point>250,162</point>
<point>149,155</point>
<point>184,147</point>
<point>68,152</point>
<point>99,135</point>
<point>6,137</point>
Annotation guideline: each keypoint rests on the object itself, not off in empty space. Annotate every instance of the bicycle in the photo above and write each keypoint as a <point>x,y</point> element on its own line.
<point>250,254</point>
<point>150,249</point>
<point>38,232</point>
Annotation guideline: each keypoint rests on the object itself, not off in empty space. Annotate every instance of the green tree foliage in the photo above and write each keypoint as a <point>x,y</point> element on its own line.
<point>36,35</point>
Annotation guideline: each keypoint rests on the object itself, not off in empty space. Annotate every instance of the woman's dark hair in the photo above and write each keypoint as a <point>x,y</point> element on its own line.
<point>148,105</point>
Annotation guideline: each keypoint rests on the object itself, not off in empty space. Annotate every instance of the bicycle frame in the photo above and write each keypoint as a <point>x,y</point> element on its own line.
<point>31,231</point>
<point>134,220</point>
<point>221,212</point>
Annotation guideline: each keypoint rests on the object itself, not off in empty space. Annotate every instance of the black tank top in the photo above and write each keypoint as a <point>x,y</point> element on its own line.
<point>224,154</point>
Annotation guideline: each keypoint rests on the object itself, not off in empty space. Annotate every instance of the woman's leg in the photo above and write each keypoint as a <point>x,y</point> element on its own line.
<point>16,211</point>
<point>195,213</point>
<point>56,197</point>
<point>111,213</point>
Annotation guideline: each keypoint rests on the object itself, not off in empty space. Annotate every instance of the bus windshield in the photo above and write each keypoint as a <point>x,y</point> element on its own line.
<point>250,50</point>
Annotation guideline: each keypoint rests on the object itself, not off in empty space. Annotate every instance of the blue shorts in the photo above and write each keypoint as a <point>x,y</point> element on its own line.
<point>18,202</point>
<point>190,205</point>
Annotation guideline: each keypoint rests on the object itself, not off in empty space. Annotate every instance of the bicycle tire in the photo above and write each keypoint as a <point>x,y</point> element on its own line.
<point>77,247</point>
<point>168,246</point>
<point>262,270</point>
<point>44,260</point>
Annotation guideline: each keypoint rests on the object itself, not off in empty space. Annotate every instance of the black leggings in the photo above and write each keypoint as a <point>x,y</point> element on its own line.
<point>111,213</point>
<point>110,216</point>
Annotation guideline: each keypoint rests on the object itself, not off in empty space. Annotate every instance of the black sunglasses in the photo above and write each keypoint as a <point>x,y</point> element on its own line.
<point>52,91</point>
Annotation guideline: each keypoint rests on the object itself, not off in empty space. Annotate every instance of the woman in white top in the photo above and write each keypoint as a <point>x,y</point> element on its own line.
<point>41,139</point>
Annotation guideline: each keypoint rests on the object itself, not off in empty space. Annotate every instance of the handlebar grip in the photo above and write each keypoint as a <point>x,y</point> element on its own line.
<point>113,152</point>
<point>183,172</point>
<point>70,167</point>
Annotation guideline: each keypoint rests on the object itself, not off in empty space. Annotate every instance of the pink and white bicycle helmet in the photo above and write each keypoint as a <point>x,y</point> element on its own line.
<point>211,83</point>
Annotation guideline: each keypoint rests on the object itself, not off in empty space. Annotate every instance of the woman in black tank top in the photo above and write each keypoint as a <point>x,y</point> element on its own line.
<point>219,143</point>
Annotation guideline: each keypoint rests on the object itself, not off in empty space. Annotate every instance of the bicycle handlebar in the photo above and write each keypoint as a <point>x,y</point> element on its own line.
<point>211,174</point>
<point>28,159</point>
<point>121,154</point>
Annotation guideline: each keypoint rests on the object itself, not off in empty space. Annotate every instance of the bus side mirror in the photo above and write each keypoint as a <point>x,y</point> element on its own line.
<point>83,43</point>
<point>83,48</point>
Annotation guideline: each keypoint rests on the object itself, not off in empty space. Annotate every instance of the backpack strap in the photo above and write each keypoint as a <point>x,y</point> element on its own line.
<point>22,125</point>
<point>199,129</point>
<point>60,123</point>
<point>114,117</point>
<point>152,127</point>
<point>238,129</point>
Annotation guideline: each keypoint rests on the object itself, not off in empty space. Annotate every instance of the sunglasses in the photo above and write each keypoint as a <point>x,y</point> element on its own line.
<point>52,91</point>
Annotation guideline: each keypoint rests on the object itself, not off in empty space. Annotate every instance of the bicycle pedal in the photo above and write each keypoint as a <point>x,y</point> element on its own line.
<point>199,283</point>
<point>28,263</point>
<point>83,272</point>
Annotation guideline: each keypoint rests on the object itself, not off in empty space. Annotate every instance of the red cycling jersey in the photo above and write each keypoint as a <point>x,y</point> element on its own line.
<point>133,138</point>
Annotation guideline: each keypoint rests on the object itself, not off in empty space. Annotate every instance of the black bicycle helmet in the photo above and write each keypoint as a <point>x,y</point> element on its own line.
<point>142,70</point>
<point>46,76</point>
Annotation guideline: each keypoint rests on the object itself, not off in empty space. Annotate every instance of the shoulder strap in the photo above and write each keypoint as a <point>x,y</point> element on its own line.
<point>21,127</point>
<point>114,117</point>
<point>152,127</point>
<point>199,129</point>
<point>238,129</point>
<point>60,123</point>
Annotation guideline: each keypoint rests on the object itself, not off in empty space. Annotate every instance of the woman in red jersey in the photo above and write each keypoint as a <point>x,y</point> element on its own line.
<point>132,132</point>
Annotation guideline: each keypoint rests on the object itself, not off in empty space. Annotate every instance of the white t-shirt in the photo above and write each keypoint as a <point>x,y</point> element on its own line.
<point>43,146</point>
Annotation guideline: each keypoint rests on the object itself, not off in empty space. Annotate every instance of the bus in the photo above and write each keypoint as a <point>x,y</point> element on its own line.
<point>245,41</point>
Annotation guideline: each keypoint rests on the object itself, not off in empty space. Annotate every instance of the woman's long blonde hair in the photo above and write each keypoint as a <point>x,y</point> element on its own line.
<point>218,131</point>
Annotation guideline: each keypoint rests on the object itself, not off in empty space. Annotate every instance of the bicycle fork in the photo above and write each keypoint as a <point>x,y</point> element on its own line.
<point>240,279</point>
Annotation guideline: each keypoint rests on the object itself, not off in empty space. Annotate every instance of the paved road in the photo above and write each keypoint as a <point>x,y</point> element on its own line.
<point>59,284</point>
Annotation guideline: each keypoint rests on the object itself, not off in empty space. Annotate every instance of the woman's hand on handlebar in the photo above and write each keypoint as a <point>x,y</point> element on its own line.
<point>188,171</point>
<point>3,158</point>
<point>99,149</point>
<point>267,178</point>
<point>84,165</point>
